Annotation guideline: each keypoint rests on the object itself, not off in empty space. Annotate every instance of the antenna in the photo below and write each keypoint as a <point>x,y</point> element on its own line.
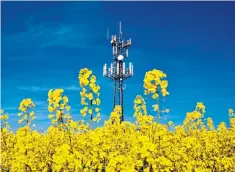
<point>120,29</point>
<point>117,71</point>
<point>107,33</point>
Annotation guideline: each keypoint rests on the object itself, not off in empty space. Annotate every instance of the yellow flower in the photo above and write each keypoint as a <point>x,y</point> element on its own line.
<point>164,84</point>
<point>232,123</point>
<point>145,92</point>
<point>83,113</point>
<point>66,100</point>
<point>50,116</point>
<point>20,121</point>
<point>156,107</point>
<point>201,107</point>
<point>170,123</point>
<point>210,124</point>
<point>98,101</point>
<point>90,96</point>
<point>53,121</point>
<point>97,109</point>
<point>4,117</point>
<point>67,108</point>
<point>51,109</point>
<point>31,114</point>
<point>90,111</point>
<point>164,92</point>
<point>155,96</point>
<point>230,111</point>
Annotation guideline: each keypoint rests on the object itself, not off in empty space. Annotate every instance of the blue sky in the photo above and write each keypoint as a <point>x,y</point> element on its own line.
<point>45,44</point>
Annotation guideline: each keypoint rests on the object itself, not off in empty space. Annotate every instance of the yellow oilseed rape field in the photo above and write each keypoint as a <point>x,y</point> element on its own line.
<point>143,146</point>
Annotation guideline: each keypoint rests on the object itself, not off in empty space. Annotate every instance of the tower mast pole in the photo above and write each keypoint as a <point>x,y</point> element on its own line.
<point>117,71</point>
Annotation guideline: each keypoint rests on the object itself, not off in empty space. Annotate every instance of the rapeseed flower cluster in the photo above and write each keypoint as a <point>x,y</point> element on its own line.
<point>4,124</point>
<point>25,106</point>
<point>140,113</point>
<point>89,95</point>
<point>154,84</point>
<point>153,81</point>
<point>58,106</point>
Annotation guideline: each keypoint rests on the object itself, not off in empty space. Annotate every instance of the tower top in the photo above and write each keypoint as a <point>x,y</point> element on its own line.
<point>120,30</point>
<point>118,44</point>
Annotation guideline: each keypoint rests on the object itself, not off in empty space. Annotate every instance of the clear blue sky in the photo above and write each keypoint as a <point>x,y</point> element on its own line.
<point>45,44</point>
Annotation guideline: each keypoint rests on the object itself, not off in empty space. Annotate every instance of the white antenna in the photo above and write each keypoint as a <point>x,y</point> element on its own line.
<point>118,68</point>
<point>123,68</point>
<point>105,69</point>
<point>111,66</point>
<point>130,70</point>
<point>126,52</point>
<point>114,52</point>
<point>120,24</point>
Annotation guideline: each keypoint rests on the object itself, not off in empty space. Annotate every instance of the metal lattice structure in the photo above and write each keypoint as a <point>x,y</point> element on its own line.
<point>117,71</point>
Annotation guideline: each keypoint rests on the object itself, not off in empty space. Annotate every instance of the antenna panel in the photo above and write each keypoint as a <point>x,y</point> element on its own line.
<point>132,70</point>
<point>123,68</point>
<point>111,67</point>
<point>118,68</point>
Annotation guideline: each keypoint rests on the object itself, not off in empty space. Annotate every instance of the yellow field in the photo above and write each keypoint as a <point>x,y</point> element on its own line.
<point>145,145</point>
